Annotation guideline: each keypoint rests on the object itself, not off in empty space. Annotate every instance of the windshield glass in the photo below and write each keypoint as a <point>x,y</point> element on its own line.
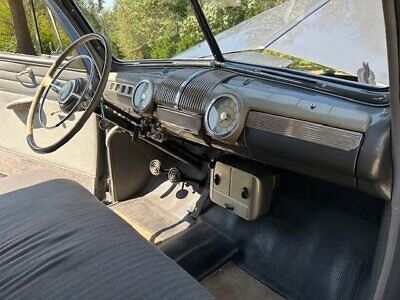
<point>144,29</point>
<point>338,38</point>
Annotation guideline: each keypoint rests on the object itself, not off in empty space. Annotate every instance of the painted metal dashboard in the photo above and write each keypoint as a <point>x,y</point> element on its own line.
<point>286,126</point>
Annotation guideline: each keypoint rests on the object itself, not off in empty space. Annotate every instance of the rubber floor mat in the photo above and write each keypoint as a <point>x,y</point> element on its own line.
<point>303,249</point>
<point>232,283</point>
<point>199,250</point>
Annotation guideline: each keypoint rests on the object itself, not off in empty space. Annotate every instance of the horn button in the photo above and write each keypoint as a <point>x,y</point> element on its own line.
<point>70,94</point>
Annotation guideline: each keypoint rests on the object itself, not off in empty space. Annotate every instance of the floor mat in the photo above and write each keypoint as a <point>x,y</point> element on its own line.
<point>232,283</point>
<point>303,249</point>
<point>161,213</point>
<point>200,250</point>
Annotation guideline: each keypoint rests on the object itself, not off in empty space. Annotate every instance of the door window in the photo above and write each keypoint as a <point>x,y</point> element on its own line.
<point>29,27</point>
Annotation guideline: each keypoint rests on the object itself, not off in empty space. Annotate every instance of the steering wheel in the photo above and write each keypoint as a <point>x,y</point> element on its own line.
<point>73,95</point>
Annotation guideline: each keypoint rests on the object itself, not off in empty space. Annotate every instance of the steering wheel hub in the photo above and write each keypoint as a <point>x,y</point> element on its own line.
<point>66,91</point>
<point>68,96</point>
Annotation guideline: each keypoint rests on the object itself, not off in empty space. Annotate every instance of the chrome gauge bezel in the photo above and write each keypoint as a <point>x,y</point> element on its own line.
<point>150,104</point>
<point>207,114</point>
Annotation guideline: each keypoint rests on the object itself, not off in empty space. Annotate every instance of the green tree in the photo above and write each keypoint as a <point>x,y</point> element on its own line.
<point>47,33</point>
<point>8,42</point>
<point>160,29</point>
<point>139,29</point>
<point>93,10</point>
<point>147,28</point>
<point>8,38</point>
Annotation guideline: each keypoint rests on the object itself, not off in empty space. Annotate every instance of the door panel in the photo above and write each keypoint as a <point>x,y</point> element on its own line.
<point>78,157</point>
<point>13,64</point>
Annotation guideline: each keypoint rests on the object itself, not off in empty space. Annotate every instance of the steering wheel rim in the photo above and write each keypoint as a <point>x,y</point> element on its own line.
<point>48,79</point>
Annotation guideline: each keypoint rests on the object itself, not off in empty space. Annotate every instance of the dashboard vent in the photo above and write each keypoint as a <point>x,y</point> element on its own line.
<point>169,88</point>
<point>198,91</point>
<point>122,89</point>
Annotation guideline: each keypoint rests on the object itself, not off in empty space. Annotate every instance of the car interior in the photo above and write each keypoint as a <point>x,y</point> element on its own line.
<point>187,179</point>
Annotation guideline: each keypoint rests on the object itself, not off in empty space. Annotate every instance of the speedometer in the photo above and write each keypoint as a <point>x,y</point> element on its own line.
<point>142,98</point>
<point>222,116</point>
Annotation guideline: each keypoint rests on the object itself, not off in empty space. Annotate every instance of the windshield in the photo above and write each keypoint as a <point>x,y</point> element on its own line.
<point>144,29</point>
<point>337,38</point>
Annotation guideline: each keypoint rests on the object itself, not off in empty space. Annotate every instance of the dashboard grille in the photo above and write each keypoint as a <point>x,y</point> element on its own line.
<point>306,131</point>
<point>169,88</point>
<point>199,90</point>
<point>188,90</point>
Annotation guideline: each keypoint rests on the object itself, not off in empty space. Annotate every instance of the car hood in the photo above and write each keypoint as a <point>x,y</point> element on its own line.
<point>306,29</point>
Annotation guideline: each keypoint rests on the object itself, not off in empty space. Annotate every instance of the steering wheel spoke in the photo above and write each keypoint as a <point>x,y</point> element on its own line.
<point>56,87</point>
<point>46,81</point>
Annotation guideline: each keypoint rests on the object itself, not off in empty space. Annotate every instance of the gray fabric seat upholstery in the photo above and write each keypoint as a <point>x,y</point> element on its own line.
<point>58,242</point>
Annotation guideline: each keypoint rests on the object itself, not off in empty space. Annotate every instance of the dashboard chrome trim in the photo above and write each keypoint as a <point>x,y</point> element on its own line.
<point>206,116</point>
<point>332,137</point>
<point>151,87</point>
<point>199,90</point>
<point>179,120</point>
<point>184,84</point>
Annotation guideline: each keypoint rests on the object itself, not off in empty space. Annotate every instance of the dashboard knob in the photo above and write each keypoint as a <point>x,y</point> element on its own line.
<point>155,167</point>
<point>174,175</point>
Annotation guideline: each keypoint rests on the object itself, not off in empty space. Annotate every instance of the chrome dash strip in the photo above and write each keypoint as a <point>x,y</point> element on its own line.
<point>184,84</point>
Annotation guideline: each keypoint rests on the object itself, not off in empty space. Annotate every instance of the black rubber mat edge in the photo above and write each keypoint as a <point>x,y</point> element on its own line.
<point>200,250</point>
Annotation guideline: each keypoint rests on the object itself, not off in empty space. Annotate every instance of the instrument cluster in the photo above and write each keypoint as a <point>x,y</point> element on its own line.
<point>184,102</point>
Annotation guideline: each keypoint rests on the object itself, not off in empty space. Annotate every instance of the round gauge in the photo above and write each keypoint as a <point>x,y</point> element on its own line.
<point>222,116</point>
<point>142,96</point>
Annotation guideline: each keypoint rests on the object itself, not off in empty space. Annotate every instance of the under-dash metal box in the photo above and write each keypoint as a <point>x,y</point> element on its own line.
<point>243,187</point>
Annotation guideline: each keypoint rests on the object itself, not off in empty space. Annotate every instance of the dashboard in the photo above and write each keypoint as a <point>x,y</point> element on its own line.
<point>315,133</point>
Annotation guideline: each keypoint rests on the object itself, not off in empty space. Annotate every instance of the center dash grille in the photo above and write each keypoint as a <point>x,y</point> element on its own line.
<point>169,88</point>
<point>188,90</point>
<point>199,90</point>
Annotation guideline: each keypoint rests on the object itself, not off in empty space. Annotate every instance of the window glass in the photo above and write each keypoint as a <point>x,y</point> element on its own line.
<point>340,38</point>
<point>144,29</point>
<point>52,36</point>
<point>17,29</point>
<point>8,42</point>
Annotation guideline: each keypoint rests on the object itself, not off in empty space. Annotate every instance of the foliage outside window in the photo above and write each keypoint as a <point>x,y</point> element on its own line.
<point>152,29</point>
<point>49,40</point>
<point>145,29</point>
<point>149,29</point>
